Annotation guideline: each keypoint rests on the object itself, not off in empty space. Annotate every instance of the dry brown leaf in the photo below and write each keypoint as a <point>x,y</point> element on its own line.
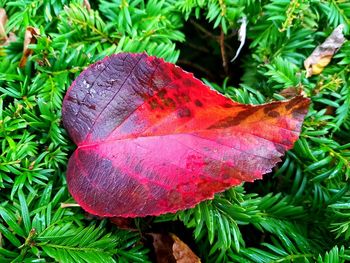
<point>29,38</point>
<point>11,38</point>
<point>170,249</point>
<point>330,110</point>
<point>182,253</point>
<point>292,92</point>
<point>323,53</point>
<point>3,21</point>
<point>163,248</point>
<point>4,39</point>
<point>87,5</point>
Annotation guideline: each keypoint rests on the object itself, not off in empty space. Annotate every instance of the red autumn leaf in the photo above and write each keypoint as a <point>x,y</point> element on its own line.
<point>153,139</point>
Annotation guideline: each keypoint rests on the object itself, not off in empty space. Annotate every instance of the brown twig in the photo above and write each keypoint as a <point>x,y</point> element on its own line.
<point>220,39</point>
<point>223,52</point>
<point>197,47</point>
<point>203,30</point>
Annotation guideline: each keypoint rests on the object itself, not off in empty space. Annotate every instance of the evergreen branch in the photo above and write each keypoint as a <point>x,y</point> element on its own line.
<point>93,29</point>
<point>78,249</point>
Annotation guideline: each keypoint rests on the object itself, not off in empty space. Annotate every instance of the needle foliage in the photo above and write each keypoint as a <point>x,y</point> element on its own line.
<point>298,213</point>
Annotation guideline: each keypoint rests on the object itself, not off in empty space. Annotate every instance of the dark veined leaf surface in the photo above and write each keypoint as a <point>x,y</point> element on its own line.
<point>153,139</point>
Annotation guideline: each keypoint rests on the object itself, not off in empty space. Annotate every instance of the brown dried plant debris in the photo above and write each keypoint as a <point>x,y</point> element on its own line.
<point>170,249</point>
<point>30,37</point>
<point>5,39</point>
<point>3,21</point>
<point>323,53</point>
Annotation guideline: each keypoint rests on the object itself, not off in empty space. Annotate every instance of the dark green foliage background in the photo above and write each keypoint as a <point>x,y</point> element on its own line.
<point>299,213</point>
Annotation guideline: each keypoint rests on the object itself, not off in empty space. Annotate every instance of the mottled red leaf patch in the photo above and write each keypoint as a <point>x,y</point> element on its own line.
<point>153,139</point>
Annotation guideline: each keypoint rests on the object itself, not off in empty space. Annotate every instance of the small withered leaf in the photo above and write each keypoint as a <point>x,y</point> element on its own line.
<point>182,253</point>
<point>87,5</point>
<point>291,92</point>
<point>29,38</point>
<point>323,53</point>
<point>3,21</point>
<point>171,249</point>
